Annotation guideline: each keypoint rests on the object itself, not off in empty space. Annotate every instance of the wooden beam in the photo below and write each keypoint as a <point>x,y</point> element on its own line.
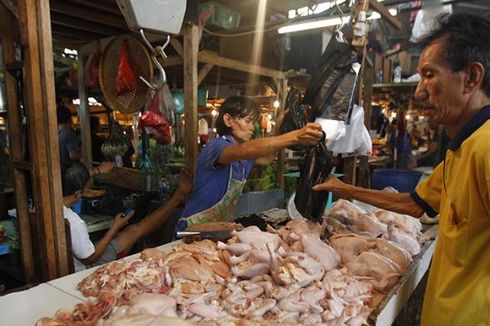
<point>43,133</point>
<point>11,6</point>
<point>173,60</point>
<point>204,72</point>
<point>109,7</point>
<point>385,14</point>
<point>210,57</point>
<point>206,56</point>
<point>76,33</point>
<point>177,46</point>
<point>15,130</point>
<point>74,10</point>
<point>191,48</point>
<point>76,23</point>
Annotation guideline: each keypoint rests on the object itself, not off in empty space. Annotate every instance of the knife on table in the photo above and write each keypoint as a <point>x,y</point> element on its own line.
<point>222,234</point>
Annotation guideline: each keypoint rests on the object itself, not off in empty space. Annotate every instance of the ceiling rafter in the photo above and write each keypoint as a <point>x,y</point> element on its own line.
<point>84,25</point>
<point>74,10</point>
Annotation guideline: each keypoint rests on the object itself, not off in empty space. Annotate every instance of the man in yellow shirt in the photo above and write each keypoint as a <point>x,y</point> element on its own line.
<point>454,89</point>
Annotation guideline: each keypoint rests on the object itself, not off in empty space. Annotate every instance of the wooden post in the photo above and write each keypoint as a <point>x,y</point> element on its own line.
<point>35,27</point>
<point>283,93</point>
<point>7,30</point>
<point>365,100</point>
<point>191,46</point>
<point>51,130</point>
<point>83,112</point>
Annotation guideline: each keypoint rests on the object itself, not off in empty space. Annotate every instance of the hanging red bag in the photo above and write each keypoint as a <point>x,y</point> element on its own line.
<point>125,79</point>
<point>92,72</point>
<point>154,121</point>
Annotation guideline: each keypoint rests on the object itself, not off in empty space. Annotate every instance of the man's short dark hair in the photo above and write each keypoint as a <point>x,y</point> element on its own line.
<point>237,107</point>
<point>75,178</point>
<point>63,114</point>
<point>466,40</point>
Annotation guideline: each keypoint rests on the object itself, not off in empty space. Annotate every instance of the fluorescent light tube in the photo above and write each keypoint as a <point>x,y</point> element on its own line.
<point>303,26</point>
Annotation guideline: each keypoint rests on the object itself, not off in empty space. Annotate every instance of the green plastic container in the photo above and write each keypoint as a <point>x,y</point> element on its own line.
<point>178,96</point>
<point>222,16</point>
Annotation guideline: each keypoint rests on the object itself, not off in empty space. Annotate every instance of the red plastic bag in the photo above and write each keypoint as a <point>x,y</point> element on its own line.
<point>92,72</point>
<point>125,79</point>
<point>155,123</point>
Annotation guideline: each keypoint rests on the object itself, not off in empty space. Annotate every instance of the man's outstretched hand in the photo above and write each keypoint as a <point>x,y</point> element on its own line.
<point>334,185</point>
<point>184,189</point>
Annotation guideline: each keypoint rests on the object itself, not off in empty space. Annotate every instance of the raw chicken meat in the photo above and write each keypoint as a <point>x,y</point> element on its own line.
<point>355,219</point>
<point>153,304</point>
<point>405,223</point>
<point>322,252</point>
<point>394,252</point>
<point>349,246</point>
<point>384,271</point>
<point>404,240</point>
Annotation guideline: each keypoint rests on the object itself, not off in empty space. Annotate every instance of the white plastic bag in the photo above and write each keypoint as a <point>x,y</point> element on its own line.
<point>427,17</point>
<point>352,138</point>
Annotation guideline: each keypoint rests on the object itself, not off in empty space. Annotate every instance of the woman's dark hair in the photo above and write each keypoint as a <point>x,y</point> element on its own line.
<point>466,40</point>
<point>75,178</point>
<point>237,107</point>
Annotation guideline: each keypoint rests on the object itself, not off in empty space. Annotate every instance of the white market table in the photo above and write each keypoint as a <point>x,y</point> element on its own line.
<point>26,307</point>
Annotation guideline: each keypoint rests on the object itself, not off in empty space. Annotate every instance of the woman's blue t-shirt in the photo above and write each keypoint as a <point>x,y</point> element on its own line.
<point>211,178</point>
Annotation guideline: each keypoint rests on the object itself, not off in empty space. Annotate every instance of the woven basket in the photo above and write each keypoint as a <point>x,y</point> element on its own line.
<point>141,64</point>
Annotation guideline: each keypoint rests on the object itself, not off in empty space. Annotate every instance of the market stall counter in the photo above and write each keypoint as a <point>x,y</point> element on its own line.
<point>233,272</point>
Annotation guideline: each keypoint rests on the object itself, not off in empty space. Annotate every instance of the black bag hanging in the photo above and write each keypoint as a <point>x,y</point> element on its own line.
<point>295,118</point>
<point>330,89</point>
<point>316,167</point>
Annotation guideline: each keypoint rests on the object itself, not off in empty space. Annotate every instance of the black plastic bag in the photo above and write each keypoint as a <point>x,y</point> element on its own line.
<point>296,117</point>
<point>316,167</point>
<point>329,91</point>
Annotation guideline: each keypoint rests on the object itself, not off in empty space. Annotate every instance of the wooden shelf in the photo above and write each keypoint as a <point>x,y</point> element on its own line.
<point>395,85</point>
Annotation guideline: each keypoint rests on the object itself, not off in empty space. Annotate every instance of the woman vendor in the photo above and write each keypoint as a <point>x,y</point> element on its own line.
<point>224,164</point>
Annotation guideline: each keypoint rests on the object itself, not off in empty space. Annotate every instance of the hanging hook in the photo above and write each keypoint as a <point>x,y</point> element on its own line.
<point>159,50</point>
<point>147,43</point>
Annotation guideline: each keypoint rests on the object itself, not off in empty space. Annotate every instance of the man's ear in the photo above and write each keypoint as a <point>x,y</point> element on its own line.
<point>227,119</point>
<point>475,72</point>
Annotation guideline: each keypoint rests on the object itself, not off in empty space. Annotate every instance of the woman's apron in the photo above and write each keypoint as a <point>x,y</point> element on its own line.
<point>221,211</point>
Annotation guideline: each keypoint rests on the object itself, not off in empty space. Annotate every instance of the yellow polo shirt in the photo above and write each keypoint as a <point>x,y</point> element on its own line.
<point>458,288</point>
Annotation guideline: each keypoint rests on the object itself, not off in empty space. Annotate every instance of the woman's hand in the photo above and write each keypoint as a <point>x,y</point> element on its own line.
<point>311,134</point>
